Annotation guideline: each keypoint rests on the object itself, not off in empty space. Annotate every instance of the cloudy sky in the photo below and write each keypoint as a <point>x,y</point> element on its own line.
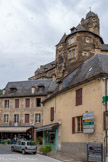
<point>30,29</point>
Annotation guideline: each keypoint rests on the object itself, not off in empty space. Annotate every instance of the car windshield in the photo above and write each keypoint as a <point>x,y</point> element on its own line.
<point>31,143</point>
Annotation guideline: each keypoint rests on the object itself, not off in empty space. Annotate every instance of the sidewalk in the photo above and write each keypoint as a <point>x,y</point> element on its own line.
<point>63,156</point>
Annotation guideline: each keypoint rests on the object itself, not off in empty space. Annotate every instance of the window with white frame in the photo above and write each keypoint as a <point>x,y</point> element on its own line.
<point>16,118</point>
<point>37,118</point>
<point>6,103</point>
<point>6,118</point>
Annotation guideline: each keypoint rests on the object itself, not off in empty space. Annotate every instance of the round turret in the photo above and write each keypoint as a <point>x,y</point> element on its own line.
<point>91,14</point>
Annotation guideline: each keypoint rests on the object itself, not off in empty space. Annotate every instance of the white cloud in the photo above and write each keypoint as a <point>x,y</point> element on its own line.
<point>30,29</point>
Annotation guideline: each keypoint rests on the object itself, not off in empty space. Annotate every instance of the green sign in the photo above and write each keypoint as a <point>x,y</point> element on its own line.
<point>88,123</point>
<point>1,91</point>
<point>105,99</point>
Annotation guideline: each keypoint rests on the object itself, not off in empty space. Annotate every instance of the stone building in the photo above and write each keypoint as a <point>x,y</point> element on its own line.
<point>83,42</point>
<point>78,93</point>
<point>21,106</point>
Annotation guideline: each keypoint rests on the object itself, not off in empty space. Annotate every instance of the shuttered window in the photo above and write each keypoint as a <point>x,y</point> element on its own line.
<point>26,118</point>
<point>16,103</point>
<point>27,102</point>
<point>79,97</point>
<point>52,113</point>
<point>73,125</point>
<point>79,124</point>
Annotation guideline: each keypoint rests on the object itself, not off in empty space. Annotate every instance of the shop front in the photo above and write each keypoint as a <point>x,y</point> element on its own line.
<point>9,132</point>
<point>50,134</point>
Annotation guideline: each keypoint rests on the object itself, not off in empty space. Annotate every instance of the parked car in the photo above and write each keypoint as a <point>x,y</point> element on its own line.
<point>24,147</point>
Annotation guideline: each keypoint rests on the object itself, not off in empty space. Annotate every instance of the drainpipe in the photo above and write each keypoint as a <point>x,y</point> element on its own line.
<point>106,109</point>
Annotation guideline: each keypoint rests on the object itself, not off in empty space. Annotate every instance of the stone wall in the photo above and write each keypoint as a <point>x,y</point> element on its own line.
<point>22,110</point>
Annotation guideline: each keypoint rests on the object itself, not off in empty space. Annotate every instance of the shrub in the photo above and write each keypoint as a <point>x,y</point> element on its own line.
<point>40,140</point>
<point>45,149</point>
<point>4,142</point>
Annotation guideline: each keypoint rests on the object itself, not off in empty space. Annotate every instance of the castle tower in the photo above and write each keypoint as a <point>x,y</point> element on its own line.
<point>91,23</point>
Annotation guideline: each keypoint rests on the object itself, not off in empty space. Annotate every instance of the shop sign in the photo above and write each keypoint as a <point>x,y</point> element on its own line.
<point>95,152</point>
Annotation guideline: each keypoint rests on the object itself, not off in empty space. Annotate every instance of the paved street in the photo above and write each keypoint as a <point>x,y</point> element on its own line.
<point>8,156</point>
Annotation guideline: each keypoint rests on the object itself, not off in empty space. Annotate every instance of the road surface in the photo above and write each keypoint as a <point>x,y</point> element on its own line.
<point>7,156</point>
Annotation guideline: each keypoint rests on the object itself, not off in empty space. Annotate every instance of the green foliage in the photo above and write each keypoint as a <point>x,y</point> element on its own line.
<point>39,140</point>
<point>4,142</point>
<point>45,149</point>
<point>31,143</point>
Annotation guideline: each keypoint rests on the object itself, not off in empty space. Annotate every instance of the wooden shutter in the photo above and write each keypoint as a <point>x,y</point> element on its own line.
<point>73,125</point>
<point>52,113</point>
<point>39,117</point>
<point>79,97</point>
<point>27,102</point>
<point>26,118</point>
<point>16,103</point>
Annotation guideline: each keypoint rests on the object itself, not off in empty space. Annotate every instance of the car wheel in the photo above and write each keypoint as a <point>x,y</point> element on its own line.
<point>34,153</point>
<point>12,149</point>
<point>23,152</point>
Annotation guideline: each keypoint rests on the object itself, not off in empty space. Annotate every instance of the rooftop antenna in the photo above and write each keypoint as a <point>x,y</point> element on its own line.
<point>90,9</point>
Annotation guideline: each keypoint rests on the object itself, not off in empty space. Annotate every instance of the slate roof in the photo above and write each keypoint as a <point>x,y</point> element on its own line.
<point>80,27</point>
<point>63,39</point>
<point>24,88</point>
<point>104,47</point>
<point>96,65</point>
<point>91,14</point>
<point>46,67</point>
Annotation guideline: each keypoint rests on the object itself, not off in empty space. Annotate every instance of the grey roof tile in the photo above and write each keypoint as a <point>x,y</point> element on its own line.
<point>24,88</point>
<point>95,65</point>
<point>104,47</point>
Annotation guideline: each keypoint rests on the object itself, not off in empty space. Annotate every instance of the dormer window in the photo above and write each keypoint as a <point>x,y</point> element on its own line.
<point>53,65</point>
<point>41,88</point>
<point>72,40</point>
<point>13,89</point>
<point>45,69</point>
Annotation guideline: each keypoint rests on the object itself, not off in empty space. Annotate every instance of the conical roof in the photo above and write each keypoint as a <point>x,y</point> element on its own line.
<point>91,14</point>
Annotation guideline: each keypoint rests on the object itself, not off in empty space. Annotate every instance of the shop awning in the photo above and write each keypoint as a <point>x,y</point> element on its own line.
<point>14,129</point>
<point>48,127</point>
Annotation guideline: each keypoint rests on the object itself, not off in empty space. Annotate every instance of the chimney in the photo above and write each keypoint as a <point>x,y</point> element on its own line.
<point>33,89</point>
<point>54,77</point>
<point>4,90</point>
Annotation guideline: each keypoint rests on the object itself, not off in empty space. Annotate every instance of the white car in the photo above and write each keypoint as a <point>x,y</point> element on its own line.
<point>24,147</point>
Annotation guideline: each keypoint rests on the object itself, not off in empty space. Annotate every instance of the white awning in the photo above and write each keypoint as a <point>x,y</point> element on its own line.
<point>14,129</point>
<point>48,127</point>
